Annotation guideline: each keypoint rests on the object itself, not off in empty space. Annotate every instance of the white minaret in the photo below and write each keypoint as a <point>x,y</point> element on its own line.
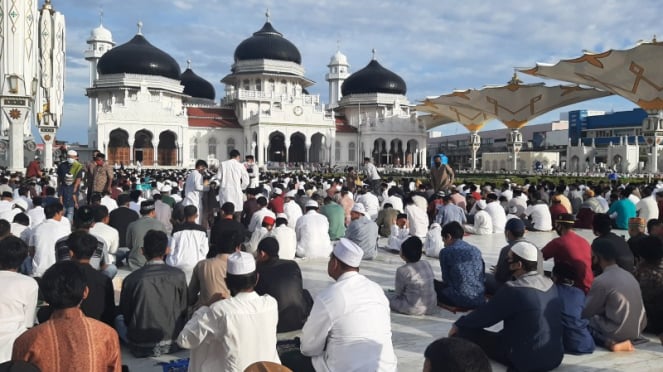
<point>338,72</point>
<point>100,41</point>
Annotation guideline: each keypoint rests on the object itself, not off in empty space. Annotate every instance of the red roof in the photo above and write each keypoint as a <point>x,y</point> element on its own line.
<point>212,117</point>
<point>343,127</point>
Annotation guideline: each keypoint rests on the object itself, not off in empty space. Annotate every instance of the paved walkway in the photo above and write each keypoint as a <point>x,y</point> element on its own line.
<point>411,334</point>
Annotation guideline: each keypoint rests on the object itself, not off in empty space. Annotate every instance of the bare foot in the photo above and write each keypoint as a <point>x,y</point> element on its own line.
<point>621,346</point>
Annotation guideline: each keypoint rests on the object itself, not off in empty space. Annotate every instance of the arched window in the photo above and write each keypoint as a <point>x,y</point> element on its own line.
<point>246,84</point>
<point>230,145</point>
<point>194,148</point>
<point>258,85</point>
<point>211,146</point>
<point>352,151</point>
<point>337,151</point>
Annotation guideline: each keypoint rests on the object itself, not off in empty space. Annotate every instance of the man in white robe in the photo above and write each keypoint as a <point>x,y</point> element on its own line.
<point>233,179</point>
<point>483,224</point>
<point>313,233</point>
<point>194,187</point>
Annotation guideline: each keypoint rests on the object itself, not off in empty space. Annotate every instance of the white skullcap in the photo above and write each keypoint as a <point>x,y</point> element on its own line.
<point>282,215</point>
<point>277,191</point>
<point>72,153</point>
<point>526,251</point>
<point>481,204</point>
<point>359,208</point>
<point>291,194</point>
<point>348,252</point>
<point>166,188</point>
<point>312,203</point>
<point>241,263</point>
<point>21,204</point>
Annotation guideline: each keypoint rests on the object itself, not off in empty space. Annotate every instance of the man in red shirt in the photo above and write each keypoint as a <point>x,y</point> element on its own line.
<point>276,204</point>
<point>571,249</point>
<point>34,168</point>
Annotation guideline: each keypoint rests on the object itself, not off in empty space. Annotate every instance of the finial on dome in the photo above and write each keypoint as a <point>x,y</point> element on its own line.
<point>267,14</point>
<point>338,45</point>
<point>188,63</point>
<point>140,27</point>
<point>374,52</point>
<point>101,15</point>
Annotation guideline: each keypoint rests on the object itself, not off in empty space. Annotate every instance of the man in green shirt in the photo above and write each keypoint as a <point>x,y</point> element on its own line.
<point>336,216</point>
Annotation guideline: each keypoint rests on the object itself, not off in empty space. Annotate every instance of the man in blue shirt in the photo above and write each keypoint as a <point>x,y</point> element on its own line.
<point>530,308</point>
<point>622,210</point>
<point>462,267</point>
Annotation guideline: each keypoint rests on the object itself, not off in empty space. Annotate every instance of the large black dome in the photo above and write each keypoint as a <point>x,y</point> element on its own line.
<point>138,56</point>
<point>373,79</point>
<point>197,87</point>
<point>267,43</point>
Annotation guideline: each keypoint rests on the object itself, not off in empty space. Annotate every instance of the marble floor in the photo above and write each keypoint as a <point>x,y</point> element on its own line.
<point>411,334</point>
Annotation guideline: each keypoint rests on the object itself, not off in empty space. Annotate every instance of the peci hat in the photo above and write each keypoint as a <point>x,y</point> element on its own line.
<point>312,204</point>
<point>166,188</point>
<point>277,191</point>
<point>514,225</point>
<point>348,252</point>
<point>147,206</point>
<point>21,203</point>
<point>565,218</point>
<point>291,194</point>
<point>241,263</point>
<point>72,153</point>
<point>481,204</point>
<point>358,208</point>
<point>268,220</point>
<point>282,215</point>
<point>526,250</point>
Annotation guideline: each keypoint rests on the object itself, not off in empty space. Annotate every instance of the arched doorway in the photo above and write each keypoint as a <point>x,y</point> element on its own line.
<point>276,149</point>
<point>143,148</point>
<point>297,149</point>
<point>411,153</point>
<point>167,149</point>
<point>379,153</point>
<point>396,152</point>
<point>317,150</point>
<point>575,164</point>
<point>118,147</point>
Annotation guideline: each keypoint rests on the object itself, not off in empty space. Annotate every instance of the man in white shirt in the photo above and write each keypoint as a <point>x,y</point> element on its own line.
<point>291,209</point>
<point>349,327</point>
<point>110,236</point>
<point>189,243</point>
<point>194,187</point>
<point>483,224</point>
<point>108,202</point>
<point>313,233</point>
<point>647,207</point>
<point>233,179</point>
<point>417,219</point>
<point>496,212</point>
<point>260,214</point>
<point>233,333</point>
<point>252,170</point>
<point>399,233</point>
<point>19,298</point>
<point>393,199</point>
<point>43,238</point>
<point>286,237</point>
<point>36,214</point>
<point>370,202</point>
<point>540,217</point>
<point>372,176</point>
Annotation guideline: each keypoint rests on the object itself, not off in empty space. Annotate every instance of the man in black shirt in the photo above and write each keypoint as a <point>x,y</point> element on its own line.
<point>223,230</point>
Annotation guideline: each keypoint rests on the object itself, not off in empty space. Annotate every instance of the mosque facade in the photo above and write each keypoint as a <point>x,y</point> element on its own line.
<point>142,108</point>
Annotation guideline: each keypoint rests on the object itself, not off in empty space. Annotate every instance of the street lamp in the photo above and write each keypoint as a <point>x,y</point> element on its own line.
<point>13,84</point>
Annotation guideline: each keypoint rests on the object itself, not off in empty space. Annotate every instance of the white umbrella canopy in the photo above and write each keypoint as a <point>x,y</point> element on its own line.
<point>515,103</point>
<point>635,74</point>
<point>468,117</point>
<point>433,120</point>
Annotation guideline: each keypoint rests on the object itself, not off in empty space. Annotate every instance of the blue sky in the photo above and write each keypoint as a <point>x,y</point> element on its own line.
<point>435,45</point>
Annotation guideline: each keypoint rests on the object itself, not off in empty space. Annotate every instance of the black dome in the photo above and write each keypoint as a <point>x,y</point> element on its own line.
<point>267,43</point>
<point>197,87</point>
<point>373,79</point>
<point>138,56</point>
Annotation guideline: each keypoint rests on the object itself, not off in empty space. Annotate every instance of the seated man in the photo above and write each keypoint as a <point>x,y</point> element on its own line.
<point>614,303</point>
<point>604,235</point>
<point>462,267</point>
<point>282,279</point>
<point>189,243</point>
<point>260,233</point>
<point>19,299</point>
<point>313,233</point>
<point>577,339</point>
<point>286,236</point>
<point>153,303</point>
<point>414,292</point>
<point>231,334</point>
<point>483,224</point>
<point>399,232</point>
<point>649,274</point>
<point>69,340</point>
<point>349,328</point>
<point>433,244</point>
<point>363,231</point>
<point>531,338</point>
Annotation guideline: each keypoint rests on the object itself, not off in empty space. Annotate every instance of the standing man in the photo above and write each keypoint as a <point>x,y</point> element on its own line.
<point>234,178</point>
<point>194,187</point>
<point>441,175</point>
<point>100,178</point>
<point>252,170</point>
<point>349,328</point>
<point>34,168</point>
<point>73,167</point>
<point>372,176</point>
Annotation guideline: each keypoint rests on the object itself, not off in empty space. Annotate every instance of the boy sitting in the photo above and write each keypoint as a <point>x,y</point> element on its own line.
<point>399,232</point>
<point>414,293</point>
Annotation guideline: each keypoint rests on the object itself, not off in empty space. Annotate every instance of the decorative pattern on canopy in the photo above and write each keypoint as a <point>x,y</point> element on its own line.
<point>468,117</point>
<point>635,74</point>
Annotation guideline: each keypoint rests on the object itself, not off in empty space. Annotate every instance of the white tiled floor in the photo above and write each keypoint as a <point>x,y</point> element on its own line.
<point>411,334</point>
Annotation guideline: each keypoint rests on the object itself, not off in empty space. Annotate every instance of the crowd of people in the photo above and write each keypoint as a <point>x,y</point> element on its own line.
<point>211,262</point>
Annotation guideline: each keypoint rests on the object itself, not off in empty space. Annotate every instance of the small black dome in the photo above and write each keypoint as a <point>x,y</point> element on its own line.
<point>373,79</point>
<point>138,56</point>
<point>267,43</point>
<point>197,87</point>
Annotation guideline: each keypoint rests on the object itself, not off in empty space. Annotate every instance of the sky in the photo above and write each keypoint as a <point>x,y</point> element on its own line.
<point>436,46</point>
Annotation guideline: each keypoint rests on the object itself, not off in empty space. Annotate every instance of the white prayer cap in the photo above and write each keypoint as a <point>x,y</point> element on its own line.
<point>312,203</point>
<point>241,263</point>
<point>291,194</point>
<point>348,252</point>
<point>166,188</point>
<point>526,251</point>
<point>72,153</point>
<point>282,215</point>
<point>359,208</point>
<point>481,204</point>
<point>277,191</point>
<point>19,202</point>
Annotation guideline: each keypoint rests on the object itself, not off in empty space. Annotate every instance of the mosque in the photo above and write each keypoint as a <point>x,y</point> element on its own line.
<point>142,108</point>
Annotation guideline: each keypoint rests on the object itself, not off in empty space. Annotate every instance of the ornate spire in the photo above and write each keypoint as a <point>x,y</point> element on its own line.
<point>188,63</point>
<point>267,14</point>
<point>140,27</point>
<point>101,15</point>
<point>374,52</point>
